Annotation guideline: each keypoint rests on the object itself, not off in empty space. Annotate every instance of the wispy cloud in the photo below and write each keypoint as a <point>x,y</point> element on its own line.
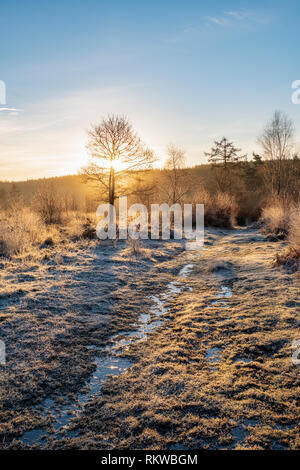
<point>14,111</point>
<point>221,21</point>
<point>227,20</point>
<point>237,17</point>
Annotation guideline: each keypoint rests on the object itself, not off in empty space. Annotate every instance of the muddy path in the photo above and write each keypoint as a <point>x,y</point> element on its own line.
<point>111,360</point>
<point>58,315</point>
<point>177,374</point>
<point>218,372</point>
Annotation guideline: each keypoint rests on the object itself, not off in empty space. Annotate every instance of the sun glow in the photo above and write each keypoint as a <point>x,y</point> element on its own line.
<point>118,165</point>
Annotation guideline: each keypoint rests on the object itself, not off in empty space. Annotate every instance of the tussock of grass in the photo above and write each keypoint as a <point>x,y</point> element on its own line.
<point>276,219</point>
<point>137,251</point>
<point>282,220</point>
<point>290,259</point>
<point>294,235</point>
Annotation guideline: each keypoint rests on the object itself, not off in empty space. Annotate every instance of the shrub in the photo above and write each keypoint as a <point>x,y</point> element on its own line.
<point>226,208</point>
<point>20,230</point>
<point>290,259</point>
<point>286,219</point>
<point>294,234</point>
<point>220,210</point>
<point>48,204</point>
<point>276,219</point>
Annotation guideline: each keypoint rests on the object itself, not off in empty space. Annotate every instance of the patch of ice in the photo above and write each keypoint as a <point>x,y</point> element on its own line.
<point>246,360</point>
<point>186,270</point>
<point>226,292</point>
<point>158,307</point>
<point>213,355</point>
<point>173,288</point>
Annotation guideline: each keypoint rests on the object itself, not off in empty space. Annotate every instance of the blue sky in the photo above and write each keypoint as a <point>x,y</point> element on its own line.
<point>183,72</point>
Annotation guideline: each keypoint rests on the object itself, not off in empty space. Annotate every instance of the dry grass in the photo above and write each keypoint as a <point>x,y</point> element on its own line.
<point>175,397</point>
<point>76,225</point>
<point>294,235</point>
<point>82,294</point>
<point>24,233</point>
<point>21,230</point>
<point>290,257</point>
<point>276,219</point>
<point>281,220</point>
<point>137,251</point>
<point>220,210</point>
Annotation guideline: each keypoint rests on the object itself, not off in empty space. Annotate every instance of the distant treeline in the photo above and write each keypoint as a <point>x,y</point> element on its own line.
<point>69,187</point>
<point>243,182</point>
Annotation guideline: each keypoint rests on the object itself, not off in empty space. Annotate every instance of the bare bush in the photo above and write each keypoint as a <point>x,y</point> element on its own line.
<point>48,204</point>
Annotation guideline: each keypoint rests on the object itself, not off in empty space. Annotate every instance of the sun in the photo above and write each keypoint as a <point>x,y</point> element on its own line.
<point>118,165</point>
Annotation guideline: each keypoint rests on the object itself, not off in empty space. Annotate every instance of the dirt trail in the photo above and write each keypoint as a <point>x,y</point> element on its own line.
<point>208,364</point>
<point>57,316</point>
<point>219,373</point>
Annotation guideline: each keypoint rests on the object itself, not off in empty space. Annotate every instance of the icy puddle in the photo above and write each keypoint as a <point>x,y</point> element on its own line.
<point>108,363</point>
<point>225,293</point>
<point>213,356</point>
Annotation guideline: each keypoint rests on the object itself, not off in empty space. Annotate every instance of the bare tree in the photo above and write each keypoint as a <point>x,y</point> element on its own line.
<point>175,187</point>
<point>69,201</point>
<point>277,143</point>
<point>144,188</point>
<point>116,151</point>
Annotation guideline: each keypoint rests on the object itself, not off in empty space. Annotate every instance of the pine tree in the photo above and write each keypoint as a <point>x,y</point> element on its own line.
<point>224,154</point>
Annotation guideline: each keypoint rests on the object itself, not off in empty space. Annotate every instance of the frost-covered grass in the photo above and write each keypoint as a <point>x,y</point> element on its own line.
<point>294,235</point>
<point>82,292</point>
<point>282,220</point>
<point>276,218</point>
<point>78,294</point>
<point>176,397</point>
<point>290,257</point>
<point>20,231</point>
<point>23,233</point>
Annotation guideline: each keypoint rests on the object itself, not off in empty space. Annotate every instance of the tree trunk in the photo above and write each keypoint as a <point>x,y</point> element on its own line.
<point>111,195</point>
